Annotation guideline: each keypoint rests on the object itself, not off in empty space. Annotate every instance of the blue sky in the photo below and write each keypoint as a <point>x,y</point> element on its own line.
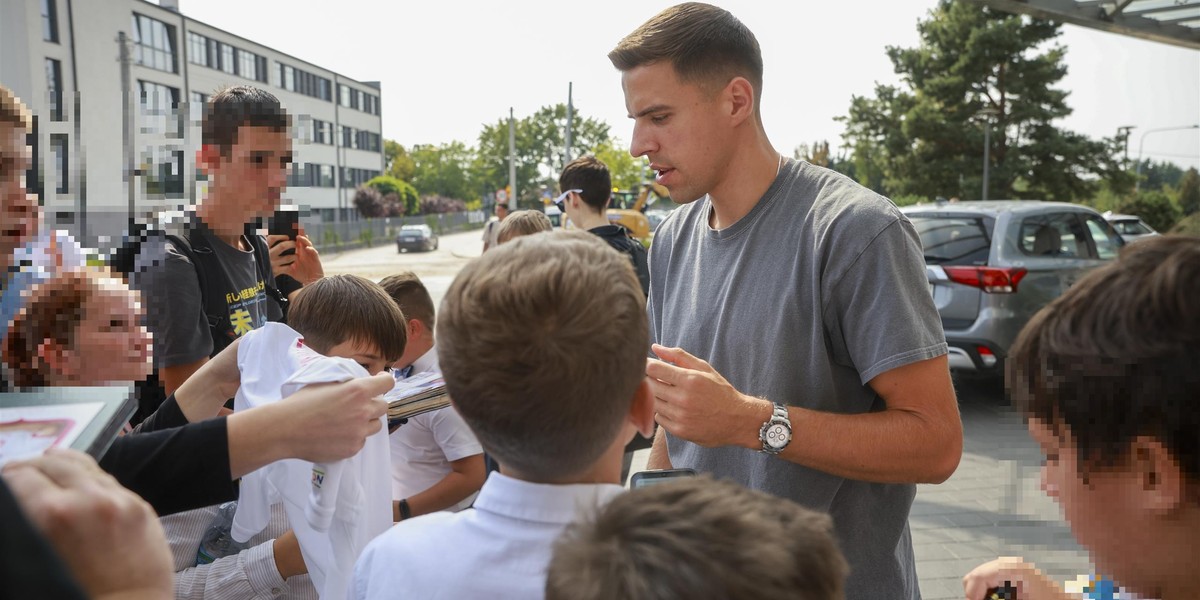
<point>448,67</point>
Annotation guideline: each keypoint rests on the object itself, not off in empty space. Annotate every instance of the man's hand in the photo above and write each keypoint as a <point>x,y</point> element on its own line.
<point>304,266</point>
<point>108,536</point>
<point>1029,581</point>
<point>693,401</point>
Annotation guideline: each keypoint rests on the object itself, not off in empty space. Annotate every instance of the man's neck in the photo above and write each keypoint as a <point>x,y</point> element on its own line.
<point>749,176</point>
<point>606,470</point>
<point>230,233</point>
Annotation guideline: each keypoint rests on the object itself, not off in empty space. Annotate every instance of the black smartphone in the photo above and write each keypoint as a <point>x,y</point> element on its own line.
<point>285,221</point>
<point>643,479</point>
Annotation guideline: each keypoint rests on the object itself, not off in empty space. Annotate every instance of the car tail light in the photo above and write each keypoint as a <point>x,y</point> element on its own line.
<point>986,356</point>
<point>993,280</point>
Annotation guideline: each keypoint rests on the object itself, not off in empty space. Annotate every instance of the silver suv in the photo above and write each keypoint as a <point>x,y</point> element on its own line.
<point>992,265</point>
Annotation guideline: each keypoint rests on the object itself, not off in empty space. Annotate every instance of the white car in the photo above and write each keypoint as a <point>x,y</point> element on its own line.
<point>1129,226</point>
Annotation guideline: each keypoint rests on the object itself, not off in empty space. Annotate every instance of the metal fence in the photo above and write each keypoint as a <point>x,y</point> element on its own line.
<point>352,235</point>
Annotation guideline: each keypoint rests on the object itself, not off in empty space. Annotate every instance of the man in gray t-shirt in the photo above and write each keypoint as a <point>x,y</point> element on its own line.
<point>801,353</point>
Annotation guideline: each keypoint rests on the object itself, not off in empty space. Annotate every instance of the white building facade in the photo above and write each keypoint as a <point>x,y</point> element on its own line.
<point>64,59</point>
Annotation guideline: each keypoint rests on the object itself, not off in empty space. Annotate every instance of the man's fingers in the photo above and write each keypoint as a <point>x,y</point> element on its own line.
<point>664,372</point>
<point>681,358</point>
<point>67,468</point>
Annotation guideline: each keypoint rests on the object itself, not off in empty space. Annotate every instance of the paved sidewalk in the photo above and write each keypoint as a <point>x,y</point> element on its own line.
<point>992,506</point>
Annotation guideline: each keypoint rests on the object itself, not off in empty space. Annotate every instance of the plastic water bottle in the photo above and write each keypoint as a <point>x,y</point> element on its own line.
<point>218,542</point>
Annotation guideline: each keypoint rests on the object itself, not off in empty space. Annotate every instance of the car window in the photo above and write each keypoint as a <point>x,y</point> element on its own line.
<point>1107,242</point>
<point>1131,227</point>
<point>1057,235</point>
<point>953,240</point>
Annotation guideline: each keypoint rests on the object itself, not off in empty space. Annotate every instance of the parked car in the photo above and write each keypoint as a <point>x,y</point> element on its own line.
<point>416,237</point>
<point>1129,226</point>
<point>992,265</point>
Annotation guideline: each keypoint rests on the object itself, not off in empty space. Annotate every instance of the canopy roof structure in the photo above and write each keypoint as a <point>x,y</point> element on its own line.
<point>1175,22</point>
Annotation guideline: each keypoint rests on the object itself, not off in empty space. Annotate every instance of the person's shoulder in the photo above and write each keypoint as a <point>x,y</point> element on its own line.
<point>410,536</point>
<point>842,205</point>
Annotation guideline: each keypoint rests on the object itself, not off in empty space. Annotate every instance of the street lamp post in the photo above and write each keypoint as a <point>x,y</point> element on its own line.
<point>1123,132</point>
<point>987,113</point>
<point>1137,185</point>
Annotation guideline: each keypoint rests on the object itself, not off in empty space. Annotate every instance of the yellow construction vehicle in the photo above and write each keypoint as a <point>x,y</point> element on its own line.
<point>628,208</point>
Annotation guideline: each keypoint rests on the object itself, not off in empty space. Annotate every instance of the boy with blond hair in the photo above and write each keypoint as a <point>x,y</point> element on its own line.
<point>553,394</point>
<point>1106,377</point>
<point>523,222</point>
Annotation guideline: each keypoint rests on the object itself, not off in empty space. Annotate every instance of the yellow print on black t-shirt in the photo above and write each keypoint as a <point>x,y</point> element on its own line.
<point>241,303</point>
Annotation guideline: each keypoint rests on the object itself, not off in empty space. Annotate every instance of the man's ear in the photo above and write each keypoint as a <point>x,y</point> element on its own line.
<point>641,411</point>
<point>739,94</point>
<point>57,358</point>
<point>1164,485</point>
<point>207,158</point>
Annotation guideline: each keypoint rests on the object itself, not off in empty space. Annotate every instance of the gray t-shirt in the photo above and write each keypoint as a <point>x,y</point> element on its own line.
<point>174,307</point>
<point>817,290</point>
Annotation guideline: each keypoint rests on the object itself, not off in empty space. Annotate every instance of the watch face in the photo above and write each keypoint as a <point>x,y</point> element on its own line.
<point>777,436</point>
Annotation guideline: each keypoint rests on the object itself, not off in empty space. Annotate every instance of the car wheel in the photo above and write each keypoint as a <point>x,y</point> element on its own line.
<point>399,249</point>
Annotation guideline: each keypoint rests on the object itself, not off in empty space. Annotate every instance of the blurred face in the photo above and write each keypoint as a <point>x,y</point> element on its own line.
<point>19,211</point>
<point>111,345</point>
<point>679,128</point>
<point>1101,511</point>
<point>248,180</point>
<point>365,354</point>
<point>501,211</point>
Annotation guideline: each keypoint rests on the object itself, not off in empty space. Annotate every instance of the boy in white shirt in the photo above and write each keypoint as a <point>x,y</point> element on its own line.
<point>543,344</point>
<point>437,463</point>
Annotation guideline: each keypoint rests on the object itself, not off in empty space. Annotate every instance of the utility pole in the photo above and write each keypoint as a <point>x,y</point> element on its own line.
<point>987,114</point>
<point>570,114</point>
<point>1123,132</point>
<point>512,160</point>
<point>127,124</point>
<point>1137,184</point>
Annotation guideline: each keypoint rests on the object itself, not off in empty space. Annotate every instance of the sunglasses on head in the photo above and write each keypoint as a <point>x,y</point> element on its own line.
<point>562,198</point>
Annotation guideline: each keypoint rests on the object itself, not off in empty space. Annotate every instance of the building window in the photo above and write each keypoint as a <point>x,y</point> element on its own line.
<point>49,21</point>
<point>325,176</point>
<point>248,65</point>
<point>196,108</point>
<point>154,44</point>
<point>347,136</point>
<point>159,104</point>
<point>54,93</point>
<point>321,133</point>
<point>197,49</point>
<point>62,166</point>
<point>344,96</point>
<point>228,63</point>
<point>164,177</point>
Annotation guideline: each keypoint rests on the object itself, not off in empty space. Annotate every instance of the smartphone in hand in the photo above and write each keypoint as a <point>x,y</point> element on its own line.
<point>643,479</point>
<point>285,221</point>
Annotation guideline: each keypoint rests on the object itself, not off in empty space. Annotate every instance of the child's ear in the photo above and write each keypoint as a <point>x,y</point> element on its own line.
<point>641,411</point>
<point>56,357</point>
<point>1163,483</point>
<point>207,158</point>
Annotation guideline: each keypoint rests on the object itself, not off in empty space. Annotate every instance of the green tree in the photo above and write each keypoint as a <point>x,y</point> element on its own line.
<point>817,154</point>
<point>444,170</point>
<point>399,163</point>
<point>1189,192</point>
<point>1154,207</point>
<point>396,191</point>
<point>1157,174</point>
<point>926,138</point>
<point>540,148</point>
<point>627,172</point>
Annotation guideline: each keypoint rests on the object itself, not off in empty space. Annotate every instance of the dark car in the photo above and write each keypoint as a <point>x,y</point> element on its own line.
<point>992,265</point>
<point>416,237</point>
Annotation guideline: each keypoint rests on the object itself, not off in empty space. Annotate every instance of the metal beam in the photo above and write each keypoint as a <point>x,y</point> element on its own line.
<point>1090,15</point>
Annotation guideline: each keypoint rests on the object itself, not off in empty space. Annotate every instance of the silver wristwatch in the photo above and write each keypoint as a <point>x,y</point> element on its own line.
<point>776,433</point>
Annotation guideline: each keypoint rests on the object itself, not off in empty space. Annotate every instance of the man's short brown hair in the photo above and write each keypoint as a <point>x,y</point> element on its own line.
<point>705,44</point>
<point>697,539</point>
<point>340,308</point>
<point>1115,357</point>
<point>541,380</point>
<point>523,222</point>
<point>13,111</point>
<point>591,175</point>
<point>235,107</point>
<point>410,295</point>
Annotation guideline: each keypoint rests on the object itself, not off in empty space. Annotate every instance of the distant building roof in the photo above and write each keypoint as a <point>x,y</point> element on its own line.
<point>1175,22</point>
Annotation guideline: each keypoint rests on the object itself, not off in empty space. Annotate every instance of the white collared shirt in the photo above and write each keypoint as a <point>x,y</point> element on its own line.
<point>499,549</point>
<point>423,448</point>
